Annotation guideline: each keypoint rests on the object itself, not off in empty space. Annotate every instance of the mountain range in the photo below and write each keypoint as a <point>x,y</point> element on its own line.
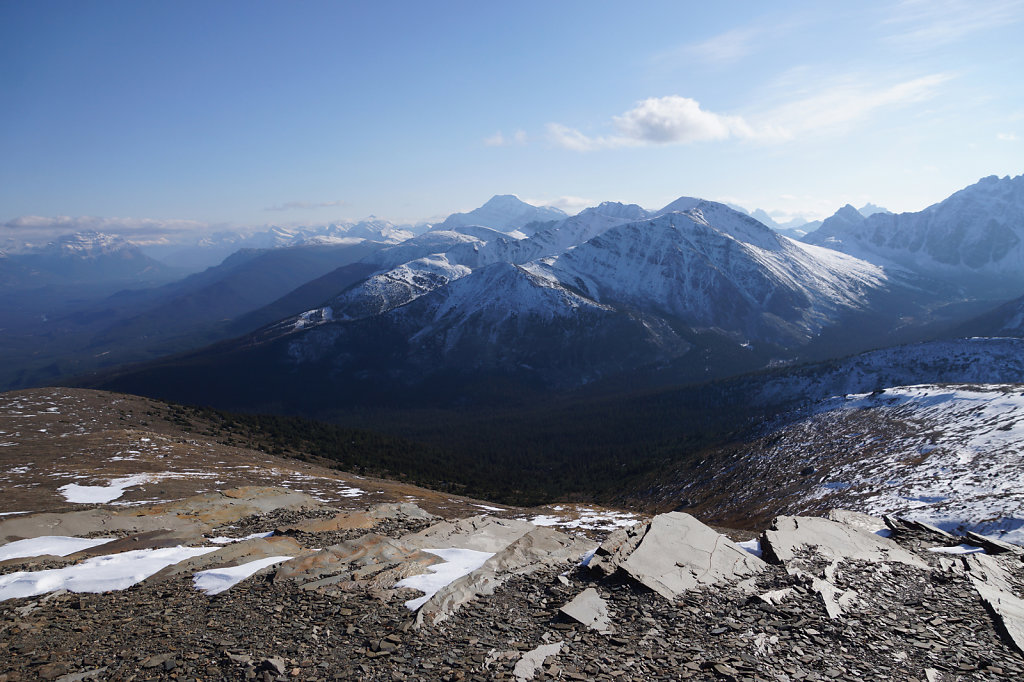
<point>614,297</point>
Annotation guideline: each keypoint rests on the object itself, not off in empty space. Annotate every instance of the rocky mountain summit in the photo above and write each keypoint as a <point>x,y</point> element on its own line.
<point>266,583</point>
<point>138,541</point>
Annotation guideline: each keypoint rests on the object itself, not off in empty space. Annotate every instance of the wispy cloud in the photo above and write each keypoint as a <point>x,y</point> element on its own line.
<point>499,139</point>
<point>844,102</point>
<point>660,121</point>
<point>1007,137</point>
<point>303,205</point>
<point>724,48</point>
<point>570,204</point>
<point>929,24</point>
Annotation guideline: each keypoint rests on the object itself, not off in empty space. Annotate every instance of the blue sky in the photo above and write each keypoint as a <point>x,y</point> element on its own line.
<point>250,113</point>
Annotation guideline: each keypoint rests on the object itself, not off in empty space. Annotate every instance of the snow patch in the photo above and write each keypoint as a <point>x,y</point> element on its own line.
<point>99,574</point>
<point>56,545</point>
<point>225,540</point>
<point>99,494</point>
<point>217,580</point>
<point>457,563</point>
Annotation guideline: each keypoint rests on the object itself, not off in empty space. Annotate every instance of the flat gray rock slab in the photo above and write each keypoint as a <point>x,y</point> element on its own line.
<point>792,536</point>
<point>481,533</point>
<point>834,599</point>
<point>589,609</point>
<point>988,570</point>
<point>865,522</point>
<point>1007,608</point>
<point>673,553</point>
<point>994,546</point>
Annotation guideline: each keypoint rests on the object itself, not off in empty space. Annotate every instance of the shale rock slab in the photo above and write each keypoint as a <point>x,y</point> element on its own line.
<point>831,541</point>
<point>589,609</point>
<point>674,553</point>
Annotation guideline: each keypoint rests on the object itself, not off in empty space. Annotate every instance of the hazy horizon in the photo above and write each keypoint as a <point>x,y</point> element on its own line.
<point>198,116</point>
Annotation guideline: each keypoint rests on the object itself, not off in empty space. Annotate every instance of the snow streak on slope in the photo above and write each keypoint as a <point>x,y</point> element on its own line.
<point>500,293</point>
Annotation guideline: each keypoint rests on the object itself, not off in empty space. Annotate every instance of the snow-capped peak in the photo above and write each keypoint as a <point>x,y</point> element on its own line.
<point>504,212</point>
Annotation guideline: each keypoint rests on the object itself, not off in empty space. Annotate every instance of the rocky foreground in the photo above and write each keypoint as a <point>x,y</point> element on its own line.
<point>849,597</point>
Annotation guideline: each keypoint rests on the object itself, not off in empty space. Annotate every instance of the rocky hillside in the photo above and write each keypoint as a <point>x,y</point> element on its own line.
<point>134,546</point>
<point>946,454</point>
<point>266,583</point>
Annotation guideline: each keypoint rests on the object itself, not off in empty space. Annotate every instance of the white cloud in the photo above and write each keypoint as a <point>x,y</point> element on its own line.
<point>660,121</point>
<point>1007,137</point>
<point>302,205</point>
<point>930,24</point>
<point>498,139</point>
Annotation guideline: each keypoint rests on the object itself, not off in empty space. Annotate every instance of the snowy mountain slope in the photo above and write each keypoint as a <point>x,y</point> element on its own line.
<point>502,318</point>
<point>503,212</point>
<point>978,231</point>
<point>974,360</point>
<point>385,291</point>
<point>427,244</point>
<point>951,455</point>
<point>549,239</point>
<point>714,267</point>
